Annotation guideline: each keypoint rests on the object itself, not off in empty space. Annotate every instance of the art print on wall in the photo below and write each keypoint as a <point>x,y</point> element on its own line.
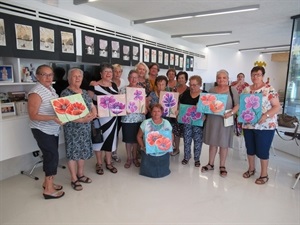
<point>115,49</point>
<point>24,37</point>
<point>6,74</point>
<point>181,62</point>
<point>111,105</point>
<point>135,53</point>
<point>103,48</point>
<point>166,59</point>
<point>176,60</point>
<point>160,57</point>
<point>70,108</point>
<point>158,141</point>
<point>169,101</point>
<point>146,55</point>
<point>47,39</point>
<point>126,52</point>
<point>212,103</point>
<point>153,55</point>
<point>188,115</point>
<point>250,110</point>
<point>89,43</point>
<point>135,100</point>
<point>2,33</point>
<point>172,59</point>
<point>67,42</point>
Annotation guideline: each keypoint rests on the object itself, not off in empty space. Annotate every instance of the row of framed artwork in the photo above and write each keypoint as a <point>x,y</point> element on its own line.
<point>26,38</point>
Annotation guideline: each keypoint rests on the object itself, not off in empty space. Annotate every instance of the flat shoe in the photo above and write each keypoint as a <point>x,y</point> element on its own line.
<point>84,179</point>
<point>248,174</point>
<point>57,187</point>
<point>99,169</point>
<point>136,163</point>
<point>197,164</point>
<point>223,172</point>
<point>76,185</point>
<point>54,195</point>
<point>207,168</point>
<point>111,168</point>
<point>184,161</point>
<point>174,153</point>
<point>127,164</point>
<point>262,180</point>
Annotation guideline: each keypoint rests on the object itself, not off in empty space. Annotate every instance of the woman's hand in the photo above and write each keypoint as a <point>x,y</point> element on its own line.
<point>56,120</point>
<point>228,114</point>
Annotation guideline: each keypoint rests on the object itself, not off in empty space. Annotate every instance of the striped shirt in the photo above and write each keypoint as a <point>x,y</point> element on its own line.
<point>49,127</point>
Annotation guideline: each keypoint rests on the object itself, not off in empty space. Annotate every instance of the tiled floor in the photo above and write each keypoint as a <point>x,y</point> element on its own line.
<point>186,196</point>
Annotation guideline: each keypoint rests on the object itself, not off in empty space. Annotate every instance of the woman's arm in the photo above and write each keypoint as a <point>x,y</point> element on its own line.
<point>140,139</point>
<point>271,112</point>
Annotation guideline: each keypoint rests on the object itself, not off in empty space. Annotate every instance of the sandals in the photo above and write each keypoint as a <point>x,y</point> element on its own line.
<point>184,162</point>
<point>99,169</point>
<point>111,168</point>
<point>116,158</point>
<point>55,195</point>
<point>84,179</point>
<point>136,163</point>
<point>207,168</point>
<point>197,164</point>
<point>176,152</point>
<point>248,173</point>
<point>262,180</point>
<point>127,164</point>
<point>56,187</point>
<point>223,172</point>
<point>76,185</point>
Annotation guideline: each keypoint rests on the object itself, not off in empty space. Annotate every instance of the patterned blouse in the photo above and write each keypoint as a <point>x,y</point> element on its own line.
<point>268,93</point>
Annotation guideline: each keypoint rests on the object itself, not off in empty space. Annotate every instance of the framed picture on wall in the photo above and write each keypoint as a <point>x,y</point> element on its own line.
<point>160,59</point>
<point>47,39</point>
<point>103,47</point>
<point>146,55</point>
<point>153,55</point>
<point>135,53</point>
<point>2,33</point>
<point>66,43</point>
<point>176,62</point>
<point>171,59</point>
<point>6,74</point>
<point>8,109</point>
<point>125,47</point>
<point>181,62</point>
<point>166,59</point>
<point>89,47</point>
<point>24,37</point>
<point>6,39</point>
<point>115,49</point>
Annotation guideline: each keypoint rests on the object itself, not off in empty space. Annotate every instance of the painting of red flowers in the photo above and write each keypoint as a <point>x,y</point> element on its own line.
<point>158,141</point>
<point>70,108</point>
<point>211,103</point>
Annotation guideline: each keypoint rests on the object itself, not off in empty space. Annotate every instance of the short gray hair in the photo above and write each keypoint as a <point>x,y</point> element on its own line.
<point>222,71</point>
<point>74,69</point>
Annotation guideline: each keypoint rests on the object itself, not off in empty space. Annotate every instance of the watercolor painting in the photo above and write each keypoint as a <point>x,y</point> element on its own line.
<point>2,33</point>
<point>250,109</point>
<point>212,103</point>
<point>135,100</point>
<point>158,141</point>
<point>67,42</point>
<point>146,55</point>
<point>46,39</point>
<point>24,37</point>
<point>169,101</point>
<point>153,55</point>
<point>89,45</point>
<point>111,105</point>
<point>70,108</point>
<point>103,45</point>
<point>188,115</point>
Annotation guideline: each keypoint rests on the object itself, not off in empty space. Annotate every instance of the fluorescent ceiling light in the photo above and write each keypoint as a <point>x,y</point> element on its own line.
<point>78,2</point>
<point>198,14</point>
<point>202,34</point>
<point>271,52</point>
<point>224,44</point>
<point>264,48</point>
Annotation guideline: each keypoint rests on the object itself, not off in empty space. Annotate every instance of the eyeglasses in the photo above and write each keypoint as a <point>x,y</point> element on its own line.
<point>193,85</point>
<point>256,75</point>
<point>47,74</point>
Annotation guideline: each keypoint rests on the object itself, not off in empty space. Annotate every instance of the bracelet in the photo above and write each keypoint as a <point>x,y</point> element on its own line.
<point>232,113</point>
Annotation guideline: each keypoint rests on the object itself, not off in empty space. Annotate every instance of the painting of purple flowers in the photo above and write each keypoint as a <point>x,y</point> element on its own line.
<point>250,109</point>
<point>135,100</point>
<point>188,115</point>
<point>169,101</point>
<point>111,105</point>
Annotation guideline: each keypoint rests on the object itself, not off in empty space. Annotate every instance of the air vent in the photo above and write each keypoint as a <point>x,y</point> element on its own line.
<point>105,31</point>
<point>122,35</point>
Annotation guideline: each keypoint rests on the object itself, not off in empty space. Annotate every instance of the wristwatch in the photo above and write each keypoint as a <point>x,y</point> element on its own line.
<point>232,113</point>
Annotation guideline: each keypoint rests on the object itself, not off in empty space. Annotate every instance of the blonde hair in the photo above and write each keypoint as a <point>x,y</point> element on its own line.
<point>146,68</point>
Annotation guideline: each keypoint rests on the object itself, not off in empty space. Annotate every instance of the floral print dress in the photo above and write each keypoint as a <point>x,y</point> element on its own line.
<point>78,135</point>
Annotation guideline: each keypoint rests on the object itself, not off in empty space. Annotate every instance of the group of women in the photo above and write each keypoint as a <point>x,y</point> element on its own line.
<point>79,147</point>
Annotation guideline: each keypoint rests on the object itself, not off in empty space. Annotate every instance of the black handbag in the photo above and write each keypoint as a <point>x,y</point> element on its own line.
<point>97,136</point>
<point>237,126</point>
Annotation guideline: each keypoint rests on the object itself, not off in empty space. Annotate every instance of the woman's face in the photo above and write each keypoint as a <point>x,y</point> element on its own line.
<point>222,79</point>
<point>194,86</point>
<point>133,79</point>
<point>45,77</point>
<point>156,113</point>
<point>107,74</point>
<point>171,75</point>
<point>117,73</point>
<point>141,70</point>
<point>153,71</point>
<point>240,78</point>
<point>181,79</point>
<point>257,77</point>
<point>161,85</point>
<point>75,78</point>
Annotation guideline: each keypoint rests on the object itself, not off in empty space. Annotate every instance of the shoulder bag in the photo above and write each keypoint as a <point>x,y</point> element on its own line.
<point>97,136</point>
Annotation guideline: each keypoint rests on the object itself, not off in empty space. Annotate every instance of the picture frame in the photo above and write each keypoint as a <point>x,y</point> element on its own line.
<point>6,74</point>
<point>8,109</point>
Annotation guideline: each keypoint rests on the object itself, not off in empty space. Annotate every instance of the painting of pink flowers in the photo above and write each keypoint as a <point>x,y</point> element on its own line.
<point>158,141</point>
<point>188,115</point>
<point>169,101</point>
<point>111,105</point>
<point>250,109</point>
<point>70,108</point>
<point>135,100</point>
<point>211,103</point>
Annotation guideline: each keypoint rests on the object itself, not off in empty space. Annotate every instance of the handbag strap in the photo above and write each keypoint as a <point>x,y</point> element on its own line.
<point>231,94</point>
<point>294,137</point>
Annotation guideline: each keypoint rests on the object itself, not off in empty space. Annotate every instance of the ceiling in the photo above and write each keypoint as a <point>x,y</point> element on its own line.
<point>269,26</point>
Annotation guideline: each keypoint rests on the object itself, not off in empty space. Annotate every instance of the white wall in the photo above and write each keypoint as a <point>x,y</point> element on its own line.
<point>216,58</point>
